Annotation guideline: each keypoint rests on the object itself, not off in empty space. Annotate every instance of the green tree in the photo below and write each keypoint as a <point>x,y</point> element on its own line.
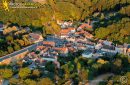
<point>2,53</point>
<point>26,41</point>
<point>83,75</point>
<point>125,10</point>
<point>68,68</point>
<point>6,73</point>
<point>16,47</point>
<point>45,81</point>
<point>50,66</point>
<point>117,66</point>
<point>68,14</point>
<point>13,81</point>
<point>118,62</point>
<point>24,72</point>
<point>36,73</point>
<point>102,33</point>
<point>21,42</point>
<point>10,49</point>
<point>78,67</point>
<point>30,82</point>
<point>128,77</point>
<point>9,39</point>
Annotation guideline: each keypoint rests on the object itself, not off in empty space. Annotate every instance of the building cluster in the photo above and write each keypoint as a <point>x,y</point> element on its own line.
<point>71,40</point>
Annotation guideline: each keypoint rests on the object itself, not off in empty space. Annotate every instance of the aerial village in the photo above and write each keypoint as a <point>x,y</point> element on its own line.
<point>65,42</point>
<point>70,40</point>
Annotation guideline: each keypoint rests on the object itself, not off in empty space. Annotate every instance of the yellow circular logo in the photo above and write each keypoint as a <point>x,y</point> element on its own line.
<point>123,79</point>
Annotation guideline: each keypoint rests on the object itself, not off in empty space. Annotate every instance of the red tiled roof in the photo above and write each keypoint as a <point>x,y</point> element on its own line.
<point>85,25</point>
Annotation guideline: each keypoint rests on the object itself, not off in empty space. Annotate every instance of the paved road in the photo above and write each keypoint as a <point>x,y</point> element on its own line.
<point>29,48</point>
<point>100,78</point>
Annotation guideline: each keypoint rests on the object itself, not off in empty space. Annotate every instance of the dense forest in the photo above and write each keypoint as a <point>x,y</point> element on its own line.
<point>113,16</point>
<point>63,10</point>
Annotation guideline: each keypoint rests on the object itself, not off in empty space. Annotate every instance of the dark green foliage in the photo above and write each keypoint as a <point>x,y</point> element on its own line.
<point>118,31</point>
